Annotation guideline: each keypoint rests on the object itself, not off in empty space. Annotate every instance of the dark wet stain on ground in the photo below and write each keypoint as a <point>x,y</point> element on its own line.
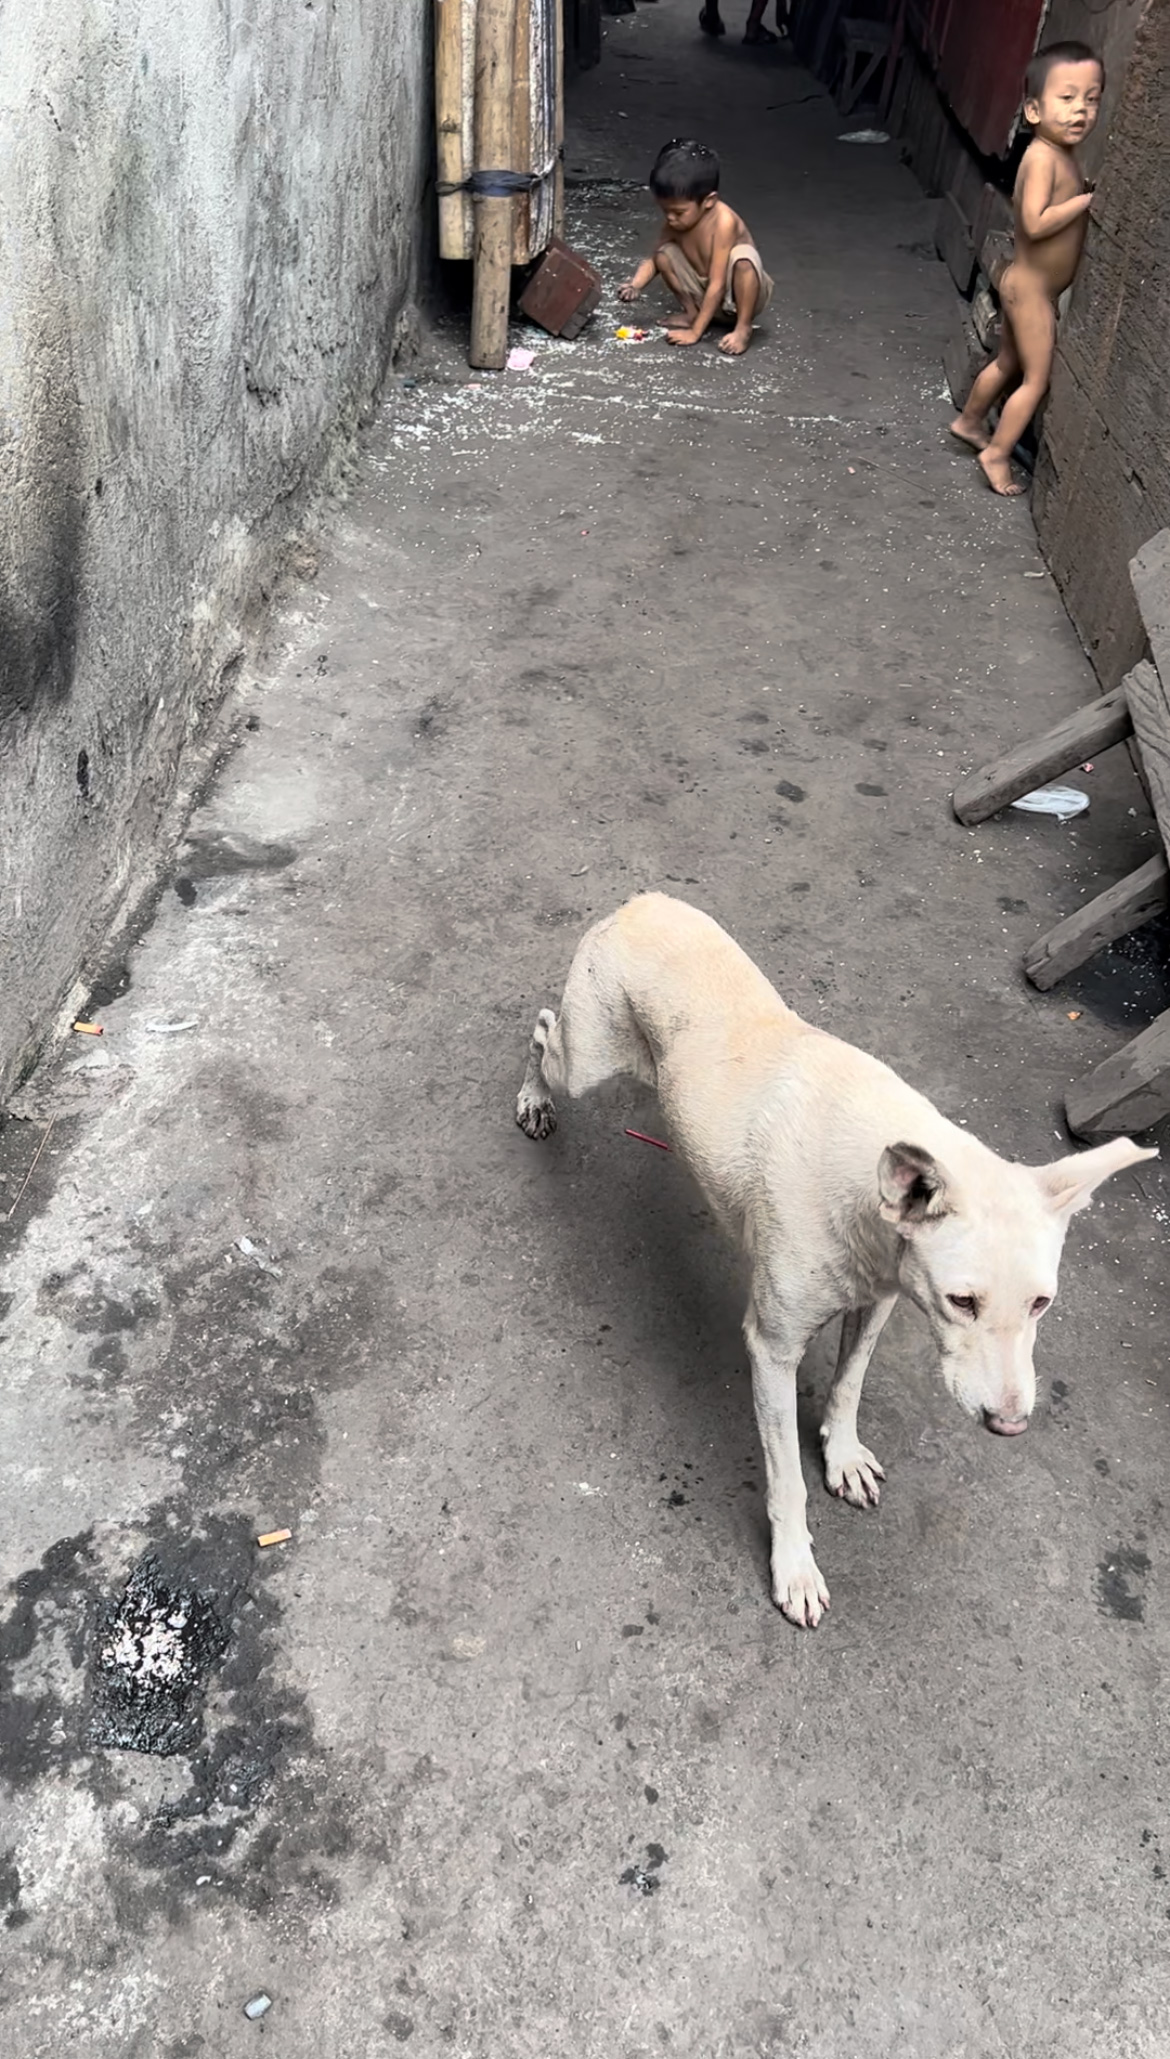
<point>111,983</point>
<point>1128,983</point>
<point>214,854</point>
<point>1120,1584</point>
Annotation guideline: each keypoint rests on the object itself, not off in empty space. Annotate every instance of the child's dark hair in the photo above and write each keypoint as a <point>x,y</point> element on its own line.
<point>684,171</point>
<point>1036,76</point>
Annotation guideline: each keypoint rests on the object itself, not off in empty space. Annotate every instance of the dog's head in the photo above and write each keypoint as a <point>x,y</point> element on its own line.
<point>980,1257</point>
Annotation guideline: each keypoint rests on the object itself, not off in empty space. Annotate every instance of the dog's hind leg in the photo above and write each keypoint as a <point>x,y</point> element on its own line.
<point>594,1038</point>
<point>851,1471</point>
<point>536,1111</point>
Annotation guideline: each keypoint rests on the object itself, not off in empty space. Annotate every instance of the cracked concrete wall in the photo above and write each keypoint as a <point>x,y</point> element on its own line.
<point>208,247</point>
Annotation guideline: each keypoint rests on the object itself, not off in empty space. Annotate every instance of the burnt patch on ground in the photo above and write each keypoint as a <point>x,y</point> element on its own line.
<point>175,1656</point>
<point>154,1650</point>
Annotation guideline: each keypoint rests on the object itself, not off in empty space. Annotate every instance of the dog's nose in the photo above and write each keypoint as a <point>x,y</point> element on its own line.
<point>1005,1426</point>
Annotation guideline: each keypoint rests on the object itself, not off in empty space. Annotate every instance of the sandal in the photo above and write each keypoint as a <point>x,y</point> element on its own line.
<point>758,37</point>
<point>710,24</point>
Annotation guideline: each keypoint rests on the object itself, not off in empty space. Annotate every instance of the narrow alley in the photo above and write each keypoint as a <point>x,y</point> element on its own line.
<point>507,1753</point>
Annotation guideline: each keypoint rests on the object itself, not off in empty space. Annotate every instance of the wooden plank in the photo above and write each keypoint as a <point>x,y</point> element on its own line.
<point>1108,489</point>
<point>1130,1092</point>
<point>1149,572</point>
<point>1108,916</point>
<point>953,243</point>
<point>520,157</point>
<point>963,357</point>
<point>996,252</point>
<point>558,205</point>
<point>1151,722</point>
<point>1081,735</point>
<point>1091,520</point>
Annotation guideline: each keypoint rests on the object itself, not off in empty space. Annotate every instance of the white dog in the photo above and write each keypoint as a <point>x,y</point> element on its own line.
<point>845,1187</point>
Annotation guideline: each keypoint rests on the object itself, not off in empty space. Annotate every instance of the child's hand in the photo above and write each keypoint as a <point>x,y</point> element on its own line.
<point>629,291</point>
<point>682,336</point>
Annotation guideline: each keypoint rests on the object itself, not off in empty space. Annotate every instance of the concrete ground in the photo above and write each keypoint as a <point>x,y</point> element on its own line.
<point>507,1752</point>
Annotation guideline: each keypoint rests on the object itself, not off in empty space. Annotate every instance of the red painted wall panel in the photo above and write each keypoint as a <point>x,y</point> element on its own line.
<point>980,49</point>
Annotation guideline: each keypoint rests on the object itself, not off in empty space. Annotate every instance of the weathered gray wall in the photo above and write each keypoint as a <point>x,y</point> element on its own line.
<point>209,232</point>
<point>1103,480</point>
<point>1109,27</point>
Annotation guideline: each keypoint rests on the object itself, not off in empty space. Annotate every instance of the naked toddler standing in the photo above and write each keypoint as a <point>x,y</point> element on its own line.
<point>1062,98</point>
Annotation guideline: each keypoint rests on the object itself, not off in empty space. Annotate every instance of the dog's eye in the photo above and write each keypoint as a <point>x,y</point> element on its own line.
<point>1041,1302</point>
<point>965,1303</point>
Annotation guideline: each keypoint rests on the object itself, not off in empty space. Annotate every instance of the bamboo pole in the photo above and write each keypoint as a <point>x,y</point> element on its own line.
<point>449,124</point>
<point>559,121</point>
<point>494,31</point>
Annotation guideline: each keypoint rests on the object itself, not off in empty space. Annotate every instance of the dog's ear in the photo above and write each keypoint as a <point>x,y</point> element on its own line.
<point>1070,1183</point>
<point>913,1187</point>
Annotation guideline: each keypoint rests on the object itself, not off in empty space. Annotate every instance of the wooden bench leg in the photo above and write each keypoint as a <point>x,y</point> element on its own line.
<point>1081,735</point>
<point>1110,915</point>
<point>1131,1091</point>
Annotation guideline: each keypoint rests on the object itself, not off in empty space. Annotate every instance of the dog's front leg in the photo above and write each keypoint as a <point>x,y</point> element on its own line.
<point>776,1351</point>
<point>851,1470</point>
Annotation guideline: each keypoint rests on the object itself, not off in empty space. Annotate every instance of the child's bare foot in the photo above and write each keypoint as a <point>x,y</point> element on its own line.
<point>685,319</point>
<point>736,341</point>
<point>997,471</point>
<point>970,432</point>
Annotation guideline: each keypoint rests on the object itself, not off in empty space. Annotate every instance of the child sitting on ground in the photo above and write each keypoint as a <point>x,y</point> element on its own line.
<point>1062,98</point>
<point>705,253</point>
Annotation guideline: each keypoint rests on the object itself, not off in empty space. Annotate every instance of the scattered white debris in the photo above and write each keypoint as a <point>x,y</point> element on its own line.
<point>156,1650</point>
<point>171,1029</point>
<point>257,1257</point>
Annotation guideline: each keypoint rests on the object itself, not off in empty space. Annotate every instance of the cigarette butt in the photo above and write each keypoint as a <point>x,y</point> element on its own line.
<point>89,1029</point>
<point>274,1537</point>
<point>1074,1014</point>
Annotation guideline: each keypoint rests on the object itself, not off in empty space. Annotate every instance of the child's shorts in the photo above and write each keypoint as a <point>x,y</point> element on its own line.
<point>694,285</point>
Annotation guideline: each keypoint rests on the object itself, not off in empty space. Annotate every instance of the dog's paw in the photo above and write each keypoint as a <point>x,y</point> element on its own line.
<point>537,1119</point>
<point>797,1588</point>
<point>852,1474</point>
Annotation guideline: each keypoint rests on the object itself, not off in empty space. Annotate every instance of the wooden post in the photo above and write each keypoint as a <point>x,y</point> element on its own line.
<point>494,31</point>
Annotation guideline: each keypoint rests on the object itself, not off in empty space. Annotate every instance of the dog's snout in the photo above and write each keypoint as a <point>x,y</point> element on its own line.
<point>1003,1425</point>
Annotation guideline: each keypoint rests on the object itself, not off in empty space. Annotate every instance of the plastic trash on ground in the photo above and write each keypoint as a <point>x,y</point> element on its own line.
<point>1062,801</point>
